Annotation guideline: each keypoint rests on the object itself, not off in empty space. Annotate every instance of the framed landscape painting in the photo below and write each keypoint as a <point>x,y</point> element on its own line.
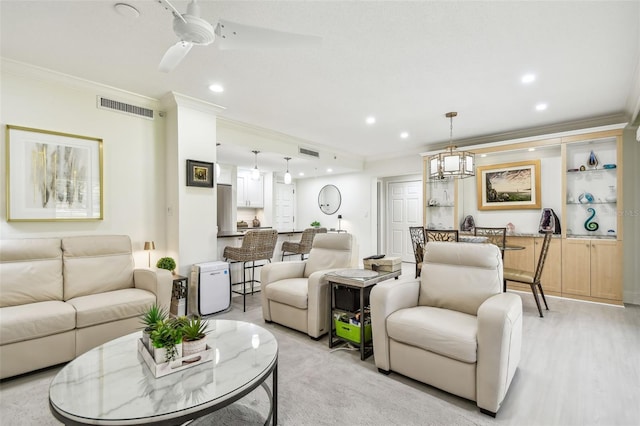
<point>509,186</point>
<point>52,176</point>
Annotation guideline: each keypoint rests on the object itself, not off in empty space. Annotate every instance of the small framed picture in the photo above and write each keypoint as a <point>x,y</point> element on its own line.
<point>199,173</point>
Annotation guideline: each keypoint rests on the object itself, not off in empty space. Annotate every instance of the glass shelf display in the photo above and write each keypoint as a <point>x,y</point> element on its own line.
<point>591,185</point>
<point>440,203</point>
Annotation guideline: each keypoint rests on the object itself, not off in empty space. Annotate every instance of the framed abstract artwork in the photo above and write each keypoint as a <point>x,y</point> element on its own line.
<point>199,173</point>
<point>53,176</point>
<point>509,186</point>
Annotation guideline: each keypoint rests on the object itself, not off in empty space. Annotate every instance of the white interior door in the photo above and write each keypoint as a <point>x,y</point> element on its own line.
<point>285,207</point>
<point>404,209</point>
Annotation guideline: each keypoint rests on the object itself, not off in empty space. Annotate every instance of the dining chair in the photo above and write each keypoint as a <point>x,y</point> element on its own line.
<point>441,235</point>
<point>532,278</point>
<point>417,240</point>
<point>497,236</point>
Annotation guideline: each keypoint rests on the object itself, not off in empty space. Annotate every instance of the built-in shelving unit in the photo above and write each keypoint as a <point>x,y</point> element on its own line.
<point>591,190</point>
<point>440,204</point>
<point>584,177</point>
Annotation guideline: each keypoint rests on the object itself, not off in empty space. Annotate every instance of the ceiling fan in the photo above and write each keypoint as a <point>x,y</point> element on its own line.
<point>193,30</point>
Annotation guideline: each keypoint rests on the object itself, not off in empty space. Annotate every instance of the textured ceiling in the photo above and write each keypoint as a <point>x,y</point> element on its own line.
<point>407,63</point>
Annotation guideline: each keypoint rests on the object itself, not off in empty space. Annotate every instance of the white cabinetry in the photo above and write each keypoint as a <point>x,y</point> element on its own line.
<point>250,192</point>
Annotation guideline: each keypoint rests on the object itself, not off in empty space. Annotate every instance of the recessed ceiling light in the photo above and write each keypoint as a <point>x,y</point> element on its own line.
<point>541,107</point>
<point>371,119</point>
<point>126,10</point>
<point>531,149</point>
<point>483,155</point>
<point>216,88</point>
<point>329,170</point>
<point>404,135</point>
<point>528,78</point>
<point>301,174</point>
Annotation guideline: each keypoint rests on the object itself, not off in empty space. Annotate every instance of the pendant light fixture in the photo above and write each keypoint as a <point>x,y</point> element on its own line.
<point>452,163</point>
<point>287,175</point>
<point>255,173</point>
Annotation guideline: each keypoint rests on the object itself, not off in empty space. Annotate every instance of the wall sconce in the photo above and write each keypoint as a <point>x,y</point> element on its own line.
<point>148,246</point>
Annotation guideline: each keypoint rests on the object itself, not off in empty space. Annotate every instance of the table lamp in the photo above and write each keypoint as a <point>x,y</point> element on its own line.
<point>339,222</point>
<point>148,246</point>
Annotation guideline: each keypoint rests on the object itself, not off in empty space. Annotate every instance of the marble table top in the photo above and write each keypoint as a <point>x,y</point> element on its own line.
<point>112,385</point>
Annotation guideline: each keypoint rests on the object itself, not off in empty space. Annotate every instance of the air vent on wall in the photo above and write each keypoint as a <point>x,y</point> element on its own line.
<point>104,103</point>
<point>307,151</point>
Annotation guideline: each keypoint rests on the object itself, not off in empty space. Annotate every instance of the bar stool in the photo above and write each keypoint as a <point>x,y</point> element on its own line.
<point>256,246</point>
<point>304,245</point>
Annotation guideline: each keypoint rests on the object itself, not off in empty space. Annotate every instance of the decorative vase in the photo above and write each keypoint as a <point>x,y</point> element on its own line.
<point>611,197</point>
<point>589,224</point>
<point>256,222</point>
<point>190,347</point>
<point>593,160</point>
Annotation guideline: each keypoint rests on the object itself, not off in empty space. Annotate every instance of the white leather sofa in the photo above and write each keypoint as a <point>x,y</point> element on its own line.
<point>453,328</point>
<point>60,297</point>
<point>296,294</point>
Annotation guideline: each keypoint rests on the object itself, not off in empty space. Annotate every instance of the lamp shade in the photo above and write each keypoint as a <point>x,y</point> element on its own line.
<point>149,245</point>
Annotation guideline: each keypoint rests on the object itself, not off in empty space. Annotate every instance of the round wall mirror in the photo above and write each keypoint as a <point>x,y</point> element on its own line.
<point>329,199</point>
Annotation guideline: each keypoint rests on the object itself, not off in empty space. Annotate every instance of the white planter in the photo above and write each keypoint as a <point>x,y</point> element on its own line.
<point>146,340</point>
<point>193,347</point>
<point>160,354</point>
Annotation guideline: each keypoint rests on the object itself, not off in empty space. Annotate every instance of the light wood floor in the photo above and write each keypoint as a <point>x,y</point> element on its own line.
<point>580,363</point>
<point>580,366</point>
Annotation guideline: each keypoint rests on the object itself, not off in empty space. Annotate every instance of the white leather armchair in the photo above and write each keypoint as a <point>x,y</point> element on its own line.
<point>453,328</point>
<point>296,294</point>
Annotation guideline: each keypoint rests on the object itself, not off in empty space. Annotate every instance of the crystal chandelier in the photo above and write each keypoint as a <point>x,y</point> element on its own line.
<point>451,163</point>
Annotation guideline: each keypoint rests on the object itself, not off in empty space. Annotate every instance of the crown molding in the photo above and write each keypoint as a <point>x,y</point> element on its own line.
<point>176,99</point>
<point>24,70</point>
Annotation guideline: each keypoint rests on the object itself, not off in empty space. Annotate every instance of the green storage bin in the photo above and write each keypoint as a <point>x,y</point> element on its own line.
<point>352,332</point>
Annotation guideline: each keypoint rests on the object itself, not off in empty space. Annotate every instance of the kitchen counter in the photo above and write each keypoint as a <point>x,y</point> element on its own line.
<point>240,233</point>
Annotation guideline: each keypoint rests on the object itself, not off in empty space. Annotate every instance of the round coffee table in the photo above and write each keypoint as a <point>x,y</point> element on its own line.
<point>112,385</point>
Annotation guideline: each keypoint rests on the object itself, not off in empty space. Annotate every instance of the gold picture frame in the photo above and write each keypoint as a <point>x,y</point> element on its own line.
<point>509,186</point>
<point>52,176</point>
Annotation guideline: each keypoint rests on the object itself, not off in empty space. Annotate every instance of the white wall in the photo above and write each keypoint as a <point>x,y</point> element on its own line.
<point>525,221</point>
<point>133,161</point>
<point>191,211</point>
<point>357,207</point>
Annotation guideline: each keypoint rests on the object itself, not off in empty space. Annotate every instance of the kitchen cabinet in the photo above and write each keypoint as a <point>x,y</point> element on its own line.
<point>249,191</point>
<point>592,269</point>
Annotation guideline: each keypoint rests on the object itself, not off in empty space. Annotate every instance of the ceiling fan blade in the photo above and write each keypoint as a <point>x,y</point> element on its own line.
<point>174,56</point>
<point>232,35</point>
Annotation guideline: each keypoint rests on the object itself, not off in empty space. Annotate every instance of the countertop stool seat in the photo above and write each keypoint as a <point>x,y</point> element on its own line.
<point>257,245</point>
<point>302,247</point>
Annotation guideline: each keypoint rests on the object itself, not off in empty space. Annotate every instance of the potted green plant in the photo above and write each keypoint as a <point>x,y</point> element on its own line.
<point>150,319</point>
<point>315,224</point>
<point>167,341</point>
<point>166,263</point>
<point>193,335</point>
